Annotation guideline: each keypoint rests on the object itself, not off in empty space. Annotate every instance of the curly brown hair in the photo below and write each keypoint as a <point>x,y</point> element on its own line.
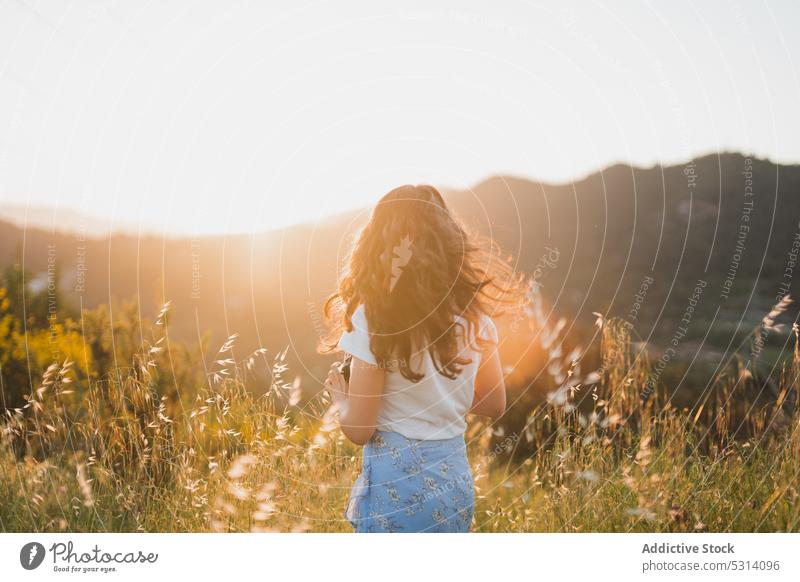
<point>416,270</point>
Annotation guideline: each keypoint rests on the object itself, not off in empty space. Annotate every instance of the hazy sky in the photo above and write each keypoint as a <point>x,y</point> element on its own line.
<point>234,116</point>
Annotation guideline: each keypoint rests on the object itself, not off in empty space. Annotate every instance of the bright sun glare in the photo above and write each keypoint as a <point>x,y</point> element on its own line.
<point>185,122</point>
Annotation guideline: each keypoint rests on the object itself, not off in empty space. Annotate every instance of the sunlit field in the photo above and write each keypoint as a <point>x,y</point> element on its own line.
<point>131,432</point>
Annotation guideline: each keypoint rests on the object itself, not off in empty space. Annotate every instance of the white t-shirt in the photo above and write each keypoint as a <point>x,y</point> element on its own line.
<point>433,408</point>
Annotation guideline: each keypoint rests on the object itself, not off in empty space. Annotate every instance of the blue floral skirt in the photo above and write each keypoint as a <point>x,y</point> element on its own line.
<point>409,485</point>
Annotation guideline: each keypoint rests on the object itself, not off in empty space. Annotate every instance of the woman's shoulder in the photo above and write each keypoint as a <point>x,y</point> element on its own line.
<point>359,318</point>
<point>487,329</point>
<point>356,342</point>
<point>483,328</point>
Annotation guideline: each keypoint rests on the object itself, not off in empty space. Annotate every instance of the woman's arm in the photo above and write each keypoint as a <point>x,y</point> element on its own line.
<point>490,387</point>
<point>359,401</point>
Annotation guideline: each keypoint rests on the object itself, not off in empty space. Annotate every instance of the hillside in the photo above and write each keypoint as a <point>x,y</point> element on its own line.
<point>627,241</point>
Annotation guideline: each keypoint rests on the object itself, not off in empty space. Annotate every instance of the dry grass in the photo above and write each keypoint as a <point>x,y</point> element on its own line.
<point>121,457</point>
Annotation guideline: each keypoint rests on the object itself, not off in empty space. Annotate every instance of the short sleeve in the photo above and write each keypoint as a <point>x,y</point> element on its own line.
<point>356,342</point>
<point>487,330</point>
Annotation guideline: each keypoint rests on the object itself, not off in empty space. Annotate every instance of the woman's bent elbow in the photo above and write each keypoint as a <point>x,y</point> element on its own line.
<point>358,435</point>
<point>497,408</point>
<point>497,411</point>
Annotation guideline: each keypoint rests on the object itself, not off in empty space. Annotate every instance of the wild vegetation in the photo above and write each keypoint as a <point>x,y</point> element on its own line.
<point>128,431</point>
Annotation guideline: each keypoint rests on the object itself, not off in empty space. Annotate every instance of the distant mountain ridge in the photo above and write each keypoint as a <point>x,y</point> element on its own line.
<point>67,221</point>
<point>610,231</point>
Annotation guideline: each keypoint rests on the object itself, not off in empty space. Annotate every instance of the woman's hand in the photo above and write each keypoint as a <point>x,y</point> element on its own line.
<point>357,401</point>
<point>337,386</point>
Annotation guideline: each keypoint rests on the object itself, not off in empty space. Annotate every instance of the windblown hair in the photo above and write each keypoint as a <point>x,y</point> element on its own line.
<point>416,270</point>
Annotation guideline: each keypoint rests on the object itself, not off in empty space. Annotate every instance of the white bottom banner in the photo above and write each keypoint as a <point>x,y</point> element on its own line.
<point>415,558</point>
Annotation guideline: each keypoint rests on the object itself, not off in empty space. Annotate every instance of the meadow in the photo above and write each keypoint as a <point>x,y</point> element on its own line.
<point>130,432</point>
